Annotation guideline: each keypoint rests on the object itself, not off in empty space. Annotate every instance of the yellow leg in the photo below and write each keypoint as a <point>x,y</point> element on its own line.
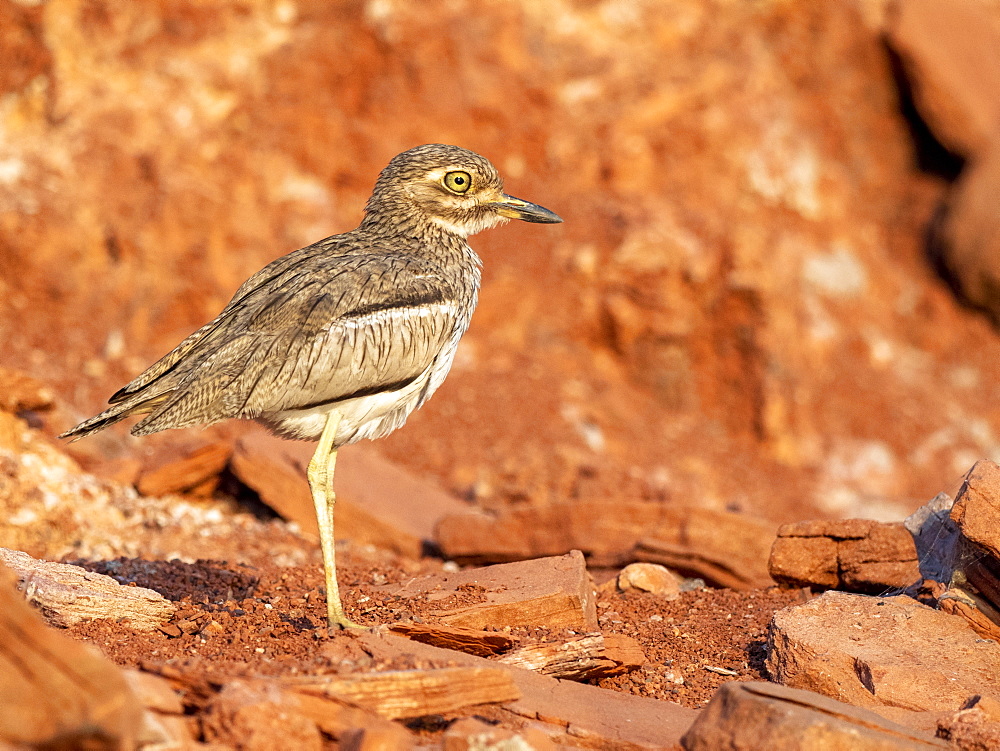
<point>320,474</point>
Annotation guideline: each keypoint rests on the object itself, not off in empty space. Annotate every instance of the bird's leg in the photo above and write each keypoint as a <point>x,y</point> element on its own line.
<point>320,474</point>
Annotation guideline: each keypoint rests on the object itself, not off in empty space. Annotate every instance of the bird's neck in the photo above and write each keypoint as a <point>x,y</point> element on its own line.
<point>406,227</point>
<point>401,219</point>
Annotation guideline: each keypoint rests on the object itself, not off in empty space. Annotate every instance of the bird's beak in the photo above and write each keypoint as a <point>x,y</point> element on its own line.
<point>515,208</point>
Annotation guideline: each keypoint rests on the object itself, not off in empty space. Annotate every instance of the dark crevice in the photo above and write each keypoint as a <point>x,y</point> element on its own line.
<point>932,156</point>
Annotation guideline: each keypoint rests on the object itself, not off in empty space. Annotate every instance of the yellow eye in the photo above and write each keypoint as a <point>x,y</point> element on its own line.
<point>458,182</point>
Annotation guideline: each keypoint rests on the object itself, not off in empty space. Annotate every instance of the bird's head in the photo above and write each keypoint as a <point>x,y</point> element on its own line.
<point>453,188</point>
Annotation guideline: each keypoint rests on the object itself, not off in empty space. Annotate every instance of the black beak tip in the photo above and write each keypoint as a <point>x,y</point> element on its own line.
<point>548,217</point>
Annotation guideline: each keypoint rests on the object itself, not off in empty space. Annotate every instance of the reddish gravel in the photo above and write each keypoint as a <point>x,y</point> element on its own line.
<point>685,639</point>
<point>240,620</point>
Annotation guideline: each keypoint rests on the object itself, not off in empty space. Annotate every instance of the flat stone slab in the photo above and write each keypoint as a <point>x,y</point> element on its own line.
<point>556,592</point>
<point>754,716</point>
<point>881,653</point>
<point>724,548</point>
<point>579,714</point>
<point>68,594</point>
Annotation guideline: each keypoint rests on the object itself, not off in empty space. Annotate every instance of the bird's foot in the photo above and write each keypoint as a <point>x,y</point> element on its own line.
<point>342,623</point>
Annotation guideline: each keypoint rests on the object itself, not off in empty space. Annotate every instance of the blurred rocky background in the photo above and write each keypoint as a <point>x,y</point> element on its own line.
<point>772,211</point>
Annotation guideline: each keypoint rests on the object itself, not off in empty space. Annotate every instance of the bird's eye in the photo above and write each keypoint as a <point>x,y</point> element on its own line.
<point>458,182</point>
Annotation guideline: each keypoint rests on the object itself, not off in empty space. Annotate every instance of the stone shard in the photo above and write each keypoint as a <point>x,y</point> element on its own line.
<point>56,692</point>
<point>855,555</point>
<point>974,611</point>
<point>573,714</point>
<point>470,641</point>
<point>881,653</point>
<point>751,716</point>
<point>192,470</point>
<point>936,537</point>
<point>556,592</point>
<point>582,658</point>
<point>68,594</point>
<point>403,694</point>
<point>378,502</point>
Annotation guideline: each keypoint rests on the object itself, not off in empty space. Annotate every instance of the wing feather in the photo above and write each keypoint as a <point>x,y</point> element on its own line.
<point>313,336</point>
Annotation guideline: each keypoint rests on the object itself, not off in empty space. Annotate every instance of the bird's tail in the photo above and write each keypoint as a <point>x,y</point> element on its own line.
<point>138,405</point>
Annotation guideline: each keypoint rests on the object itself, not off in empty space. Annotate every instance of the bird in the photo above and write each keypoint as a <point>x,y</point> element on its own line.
<point>343,339</point>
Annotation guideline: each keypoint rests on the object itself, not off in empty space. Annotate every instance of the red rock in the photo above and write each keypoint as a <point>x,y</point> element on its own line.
<point>56,691</point>
<point>948,48</point>
<point>989,706</point>
<point>580,658</point>
<point>968,240</point>
<point>750,716</point>
<point>470,641</point>
<point>570,711</point>
<point>378,502</point>
<point>800,561</point>
<point>470,734</point>
<point>68,594</point>
<point>975,727</point>
<point>376,739</point>
<point>163,721</point>
<point>260,716</point>
<point>972,560</point>
<point>20,392</point>
<point>154,692</point>
<point>649,577</point>
<point>406,694</point>
<point>856,555</point>
<point>555,592</point>
<point>960,603</point>
<point>195,471</point>
<point>725,548</point>
<point>960,573</point>
<point>881,653</point>
<point>883,560</point>
<point>977,506</point>
<point>343,721</point>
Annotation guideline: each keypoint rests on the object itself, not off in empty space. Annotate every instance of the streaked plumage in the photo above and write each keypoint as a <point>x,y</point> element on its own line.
<point>347,336</point>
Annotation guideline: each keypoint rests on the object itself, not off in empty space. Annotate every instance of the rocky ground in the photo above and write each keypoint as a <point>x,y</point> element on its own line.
<point>763,337</point>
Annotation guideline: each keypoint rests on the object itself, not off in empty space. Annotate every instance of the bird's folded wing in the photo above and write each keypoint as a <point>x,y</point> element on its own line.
<point>256,284</point>
<point>363,352</point>
<point>308,336</point>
